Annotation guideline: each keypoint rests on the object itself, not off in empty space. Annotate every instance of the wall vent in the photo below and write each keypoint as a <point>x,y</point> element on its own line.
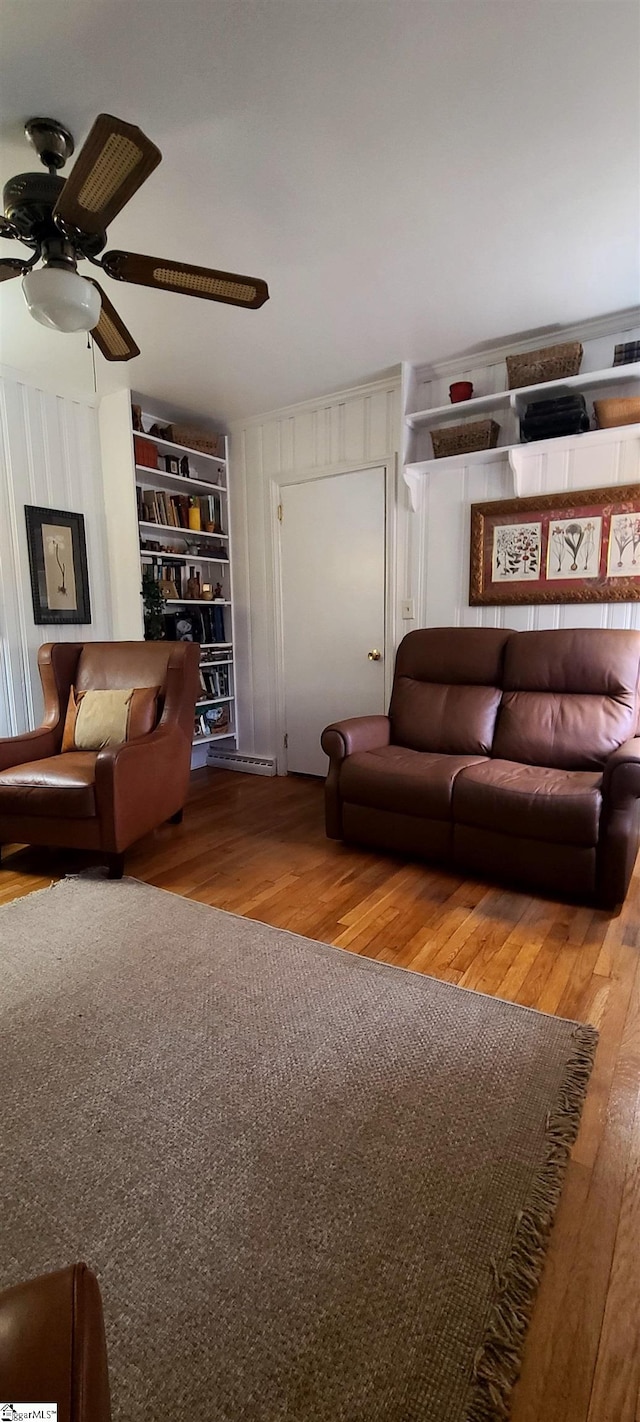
<point>234,760</point>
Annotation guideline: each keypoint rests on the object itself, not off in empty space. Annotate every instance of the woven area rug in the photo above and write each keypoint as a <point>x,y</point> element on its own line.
<point>313,1187</point>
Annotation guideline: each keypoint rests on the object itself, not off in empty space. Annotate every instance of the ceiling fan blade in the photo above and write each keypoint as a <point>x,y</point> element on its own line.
<point>111,335</point>
<point>228,287</point>
<point>114,161</point>
<point>11,267</point>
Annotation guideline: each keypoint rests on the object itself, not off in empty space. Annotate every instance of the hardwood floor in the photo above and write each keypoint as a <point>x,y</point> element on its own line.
<point>257,847</point>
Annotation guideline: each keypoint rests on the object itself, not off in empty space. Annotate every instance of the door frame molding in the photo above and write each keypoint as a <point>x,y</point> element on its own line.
<point>274,488</point>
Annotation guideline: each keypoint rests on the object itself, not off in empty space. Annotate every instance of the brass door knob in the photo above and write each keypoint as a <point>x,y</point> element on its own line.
<point>374,655</point>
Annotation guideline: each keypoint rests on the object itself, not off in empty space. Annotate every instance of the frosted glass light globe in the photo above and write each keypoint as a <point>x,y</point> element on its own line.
<point>62,299</point>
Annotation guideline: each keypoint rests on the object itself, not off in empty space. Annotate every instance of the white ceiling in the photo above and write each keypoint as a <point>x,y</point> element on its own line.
<point>410,177</point>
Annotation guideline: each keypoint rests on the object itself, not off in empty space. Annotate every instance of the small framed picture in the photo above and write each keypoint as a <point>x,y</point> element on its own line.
<point>171,464</point>
<point>58,566</point>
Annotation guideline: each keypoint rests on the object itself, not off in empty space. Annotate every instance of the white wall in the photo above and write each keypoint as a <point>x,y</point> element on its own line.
<point>345,431</point>
<point>440,539</point>
<point>430,557</point>
<point>49,456</point>
<point>440,567</point>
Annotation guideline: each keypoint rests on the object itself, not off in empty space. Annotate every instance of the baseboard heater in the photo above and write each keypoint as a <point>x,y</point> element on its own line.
<point>234,760</point>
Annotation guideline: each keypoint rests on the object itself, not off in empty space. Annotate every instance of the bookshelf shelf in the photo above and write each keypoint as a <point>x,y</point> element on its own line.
<point>159,478</point>
<point>215,736</point>
<point>213,700</point>
<point>181,449</point>
<point>198,602</point>
<point>182,532</point>
<point>166,557</point>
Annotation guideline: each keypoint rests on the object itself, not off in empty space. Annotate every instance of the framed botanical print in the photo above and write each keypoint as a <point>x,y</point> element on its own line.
<point>577,547</point>
<point>58,564</point>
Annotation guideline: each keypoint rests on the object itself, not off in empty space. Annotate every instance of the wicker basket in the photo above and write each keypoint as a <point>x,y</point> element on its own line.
<point>550,363</point>
<point>464,439</point>
<point>623,411</point>
<point>201,441</point>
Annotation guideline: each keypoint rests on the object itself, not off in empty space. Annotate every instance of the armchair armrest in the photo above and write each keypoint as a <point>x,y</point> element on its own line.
<point>360,733</point>
<point>141,783</point>
<point>31,745</point>
<point>52,1344</point>
<point>621,781</point>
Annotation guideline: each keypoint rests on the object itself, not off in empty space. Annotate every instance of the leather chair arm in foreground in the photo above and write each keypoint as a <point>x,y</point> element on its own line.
<point>344,738</point>
<point>52,1345</point>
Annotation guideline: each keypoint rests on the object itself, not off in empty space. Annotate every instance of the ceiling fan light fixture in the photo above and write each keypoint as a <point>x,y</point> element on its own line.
<point>62,299</point>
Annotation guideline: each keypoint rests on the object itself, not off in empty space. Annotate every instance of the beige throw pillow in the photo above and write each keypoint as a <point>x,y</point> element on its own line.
<point>107,718</point>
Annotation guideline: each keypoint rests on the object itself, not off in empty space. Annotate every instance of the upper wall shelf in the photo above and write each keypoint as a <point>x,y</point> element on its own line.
<point>516,399</point>
<point>414,473</point>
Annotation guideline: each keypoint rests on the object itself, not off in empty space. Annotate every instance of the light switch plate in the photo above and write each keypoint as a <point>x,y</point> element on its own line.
<point>408,609</point>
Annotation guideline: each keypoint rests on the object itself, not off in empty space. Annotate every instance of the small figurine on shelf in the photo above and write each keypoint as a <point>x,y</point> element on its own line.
<point>168,589</point>
<point>218,593</point>
<point>193,586</point>
<point>184,467</point>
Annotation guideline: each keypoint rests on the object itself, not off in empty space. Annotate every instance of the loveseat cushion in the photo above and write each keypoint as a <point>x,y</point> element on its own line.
<point>570,697</point>
<point>530,801</point>
<point>406,781</point>
<point>446,689</point>
<point>62,786</point>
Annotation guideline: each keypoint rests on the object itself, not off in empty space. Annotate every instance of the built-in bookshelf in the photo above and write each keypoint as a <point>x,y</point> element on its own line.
<point>182,503</point>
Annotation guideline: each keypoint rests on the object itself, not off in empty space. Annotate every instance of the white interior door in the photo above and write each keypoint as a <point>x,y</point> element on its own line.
<point>333,596</point>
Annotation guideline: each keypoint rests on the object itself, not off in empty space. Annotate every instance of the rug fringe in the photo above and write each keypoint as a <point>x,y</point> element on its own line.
<point>497,1362</point>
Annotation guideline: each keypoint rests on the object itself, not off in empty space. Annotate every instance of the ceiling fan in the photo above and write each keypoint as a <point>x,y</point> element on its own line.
<point>64,221</point>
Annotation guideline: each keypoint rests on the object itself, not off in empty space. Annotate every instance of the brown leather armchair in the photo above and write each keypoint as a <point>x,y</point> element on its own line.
<point>52,1345</point>
<point>101,800</point>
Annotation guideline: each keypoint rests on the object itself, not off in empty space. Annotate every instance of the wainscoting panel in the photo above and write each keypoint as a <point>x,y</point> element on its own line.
<point>49,455</point>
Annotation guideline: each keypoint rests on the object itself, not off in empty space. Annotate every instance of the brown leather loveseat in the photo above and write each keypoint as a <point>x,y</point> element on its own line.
<point>510,754</point>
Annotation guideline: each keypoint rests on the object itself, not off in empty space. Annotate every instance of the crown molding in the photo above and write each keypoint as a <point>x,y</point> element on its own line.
<point>612,324</point>
<point>353,392</point>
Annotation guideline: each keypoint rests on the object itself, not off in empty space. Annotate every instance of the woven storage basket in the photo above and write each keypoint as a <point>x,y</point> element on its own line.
<point>623,411</point>
<point>464,439</point>
<point>201,441</point>
<point>550,363</point>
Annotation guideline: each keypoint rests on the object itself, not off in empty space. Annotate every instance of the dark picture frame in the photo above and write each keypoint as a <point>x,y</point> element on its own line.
<point>58,566</point>
<point>582,546</point>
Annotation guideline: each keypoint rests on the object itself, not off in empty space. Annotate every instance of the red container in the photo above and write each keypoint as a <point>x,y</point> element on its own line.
<point>460,390</point>
<point>146,452</point>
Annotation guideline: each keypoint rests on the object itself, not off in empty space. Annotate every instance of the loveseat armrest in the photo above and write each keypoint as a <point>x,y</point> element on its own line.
<point>140,784</point>
<point>359,733</point>
<point>621,780</point>
<point>344,738</point>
